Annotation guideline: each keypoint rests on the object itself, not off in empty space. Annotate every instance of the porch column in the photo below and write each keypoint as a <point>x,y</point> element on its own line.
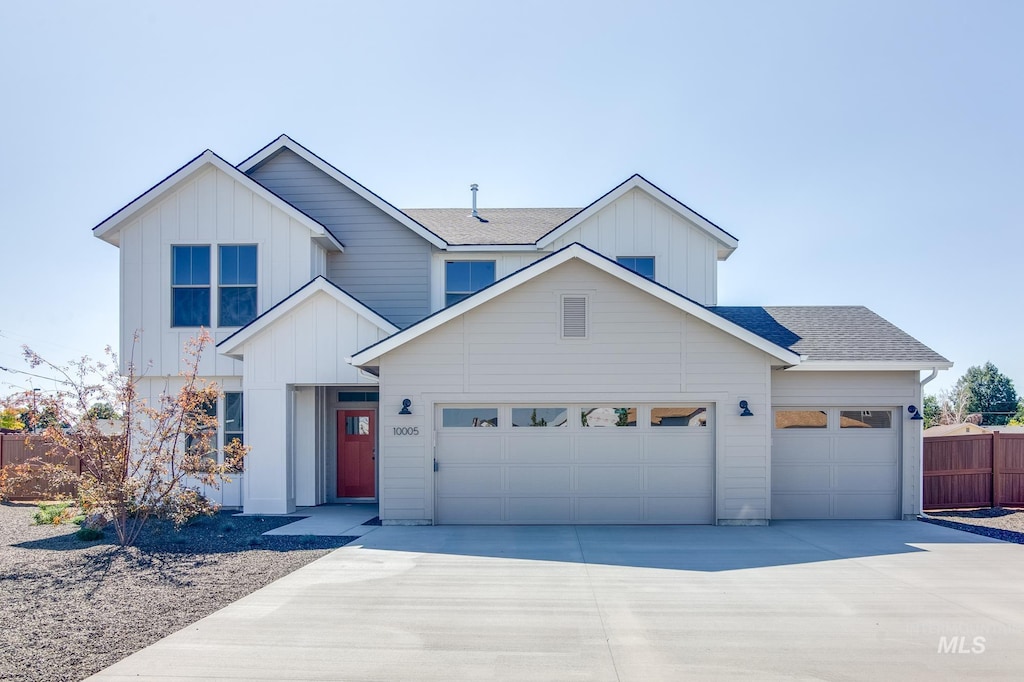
<point>268,471</point>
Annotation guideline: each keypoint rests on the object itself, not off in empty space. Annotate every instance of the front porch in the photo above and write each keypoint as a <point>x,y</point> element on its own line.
<point>333,520</point>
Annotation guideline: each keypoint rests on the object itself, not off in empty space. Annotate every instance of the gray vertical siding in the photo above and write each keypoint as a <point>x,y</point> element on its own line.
<point>385,265</point>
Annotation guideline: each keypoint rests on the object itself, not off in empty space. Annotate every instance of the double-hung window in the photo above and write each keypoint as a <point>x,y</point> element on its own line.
<point>190,286</point>
<point>237,292</point>
<point>641,265</point>
<point>465,277</point>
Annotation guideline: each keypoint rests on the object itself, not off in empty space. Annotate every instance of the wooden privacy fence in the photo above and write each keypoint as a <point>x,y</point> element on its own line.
<point>16,448</point>
<point>986,470</point>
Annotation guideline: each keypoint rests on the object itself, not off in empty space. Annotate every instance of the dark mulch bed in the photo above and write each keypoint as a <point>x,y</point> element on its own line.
<point>998,523</point>
<point>70,608</point>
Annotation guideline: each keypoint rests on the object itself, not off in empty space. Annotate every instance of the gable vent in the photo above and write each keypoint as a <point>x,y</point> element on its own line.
<point>574,317</point>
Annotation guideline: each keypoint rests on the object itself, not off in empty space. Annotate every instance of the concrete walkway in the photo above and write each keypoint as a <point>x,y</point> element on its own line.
<point>810,600</point>
<point>330,519</point>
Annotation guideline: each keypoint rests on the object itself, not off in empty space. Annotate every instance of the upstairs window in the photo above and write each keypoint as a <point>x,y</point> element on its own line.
<point>641,265</point>
<point>237,300</point>
<point>465,277</point>
<point>190,286</point>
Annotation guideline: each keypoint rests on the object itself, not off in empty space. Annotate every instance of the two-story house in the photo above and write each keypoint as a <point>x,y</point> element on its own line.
<point>531,365</point>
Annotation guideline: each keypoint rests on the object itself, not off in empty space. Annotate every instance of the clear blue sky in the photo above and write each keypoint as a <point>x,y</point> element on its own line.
<point>862,152</point>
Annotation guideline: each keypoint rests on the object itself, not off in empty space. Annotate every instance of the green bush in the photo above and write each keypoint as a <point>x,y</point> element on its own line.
<point>88,534</point>
<point>77,520</point>
<point>50,514</point>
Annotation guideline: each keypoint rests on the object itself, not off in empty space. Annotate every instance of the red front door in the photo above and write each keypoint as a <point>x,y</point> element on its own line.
<point>356,453</point>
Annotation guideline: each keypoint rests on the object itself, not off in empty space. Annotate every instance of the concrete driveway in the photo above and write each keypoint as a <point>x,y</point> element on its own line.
<point>806,600</point>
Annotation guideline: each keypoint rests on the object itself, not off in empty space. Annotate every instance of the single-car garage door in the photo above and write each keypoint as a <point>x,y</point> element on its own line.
<point>835,463</point>
<point>500,464</point>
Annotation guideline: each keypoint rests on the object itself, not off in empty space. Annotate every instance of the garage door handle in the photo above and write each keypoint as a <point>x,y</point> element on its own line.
<point>435,465</point>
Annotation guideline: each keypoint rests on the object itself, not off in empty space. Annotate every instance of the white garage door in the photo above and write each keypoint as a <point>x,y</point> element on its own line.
<point>574,464</point>
<point>835,463</point>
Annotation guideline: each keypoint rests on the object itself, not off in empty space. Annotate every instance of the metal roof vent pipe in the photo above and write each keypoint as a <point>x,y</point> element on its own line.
<point>473,188</point>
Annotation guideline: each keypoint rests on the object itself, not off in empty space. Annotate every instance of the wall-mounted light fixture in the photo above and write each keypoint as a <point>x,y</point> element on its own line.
<point>406,404</point>
<point>915,414</point>
<point>745,409</point>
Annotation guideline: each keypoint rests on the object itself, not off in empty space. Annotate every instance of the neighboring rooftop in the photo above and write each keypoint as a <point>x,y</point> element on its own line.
<point>965,429</point>
<point>457,226</point>
<point>832,333</point>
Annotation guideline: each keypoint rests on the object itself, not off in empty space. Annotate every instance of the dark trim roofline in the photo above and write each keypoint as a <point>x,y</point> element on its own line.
<point>332,167</point>
<point>292,295</point>
<point>614,189</point>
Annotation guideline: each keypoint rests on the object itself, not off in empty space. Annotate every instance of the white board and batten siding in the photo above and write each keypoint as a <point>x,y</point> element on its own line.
<point>639,350</point>
<point>636,224</point>
<point>230,494</point>
<point>385,264</point>
<point>207,208</point>
<point>306,347</point>
<point>838,472</point>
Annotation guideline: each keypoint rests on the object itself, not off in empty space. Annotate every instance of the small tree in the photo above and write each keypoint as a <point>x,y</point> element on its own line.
<point>992,394</point>
<point>160,454</point>
<point>10,420</point>
<point>1018,418</point>
<point>932,412</point>
<point>103,411</point>
<point>953,404</point>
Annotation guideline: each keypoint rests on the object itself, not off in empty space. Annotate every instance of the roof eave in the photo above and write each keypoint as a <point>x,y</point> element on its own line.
<point>869,366</point>
<point>109,229</point>
<point>232,346</point>
<point>727,242</point>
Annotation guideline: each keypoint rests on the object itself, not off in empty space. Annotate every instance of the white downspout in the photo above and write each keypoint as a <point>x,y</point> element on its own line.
<point>920,465</point>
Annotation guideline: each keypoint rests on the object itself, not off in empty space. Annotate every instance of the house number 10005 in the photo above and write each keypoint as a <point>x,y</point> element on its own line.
<point>407,430</point>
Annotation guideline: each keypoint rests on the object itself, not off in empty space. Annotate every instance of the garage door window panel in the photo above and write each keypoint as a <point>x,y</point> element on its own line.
<point>801,419</point>
<point>469,417</point>
<point>597,417</point>
<point>682,416</point>
<point>865,419</point>
<point>540,417</point>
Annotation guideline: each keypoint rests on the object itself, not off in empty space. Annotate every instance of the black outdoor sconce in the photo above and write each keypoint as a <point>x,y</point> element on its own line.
<point>915,414</point>
<point>406,404</point>
<point>746,410</point>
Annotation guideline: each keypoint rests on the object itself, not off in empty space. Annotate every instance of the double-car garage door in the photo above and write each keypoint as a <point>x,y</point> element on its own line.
<point>508,464</point>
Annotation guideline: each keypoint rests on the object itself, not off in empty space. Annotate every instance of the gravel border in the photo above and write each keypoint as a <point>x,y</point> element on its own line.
<point>70,608</point>
<point>998,523</point>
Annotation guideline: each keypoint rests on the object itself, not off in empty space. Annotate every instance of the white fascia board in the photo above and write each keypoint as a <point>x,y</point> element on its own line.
<point>285,142</point>
<point>484,248</point>
<point>109,228</point>
<point>574,250</point>
<point>232,346</point>
<point>727,241</point>
<point>867,366</point>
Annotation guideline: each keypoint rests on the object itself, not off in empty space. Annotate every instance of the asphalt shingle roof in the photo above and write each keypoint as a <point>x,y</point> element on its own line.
<point>504,225</point>
<point>832,333</point>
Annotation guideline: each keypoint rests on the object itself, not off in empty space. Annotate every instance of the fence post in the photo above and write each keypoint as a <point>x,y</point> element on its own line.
<point>997,469</point>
